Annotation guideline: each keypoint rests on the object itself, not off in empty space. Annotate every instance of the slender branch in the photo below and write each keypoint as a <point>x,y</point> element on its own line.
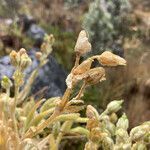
<point>81,91</point>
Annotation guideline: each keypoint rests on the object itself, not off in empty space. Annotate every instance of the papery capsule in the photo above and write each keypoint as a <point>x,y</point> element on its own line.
<point>83,67</point>
<point>95,75</point>
<point>91,112</point>
<point>109,59</point>
<point>82,45</point>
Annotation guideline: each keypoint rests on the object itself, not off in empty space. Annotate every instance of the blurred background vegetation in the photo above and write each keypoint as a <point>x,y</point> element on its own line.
<point>122,26</point>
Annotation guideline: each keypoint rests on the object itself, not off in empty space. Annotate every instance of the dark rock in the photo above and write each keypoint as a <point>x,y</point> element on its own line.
<point>26,21</point>
<point>52,75</point>
<point>36,33</point>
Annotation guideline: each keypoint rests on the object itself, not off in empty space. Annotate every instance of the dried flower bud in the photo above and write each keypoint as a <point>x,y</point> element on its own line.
<point>114,106</point>
<point>82,45</point>
<point>96,135</point>
<point>38,55</point>
<point>122,136</point>
<point>83,67</point>
<point>113,118</point>
<point>14,58</point>
<point>91,112</point>
<point>92,123</point>
<point>25,61</point>
<point>123,122</point>
<point>46,47</point>
<point>107,143</point>
<point>139,132</point>
<point>95,75</point>
<point>22,51</point>
<point>109,126</point>
<point>109,59</point>
<point>6,82</point>
<point>20,59</point>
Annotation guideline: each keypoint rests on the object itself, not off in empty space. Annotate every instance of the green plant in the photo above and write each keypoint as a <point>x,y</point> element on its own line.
<point>105,22</point>
<point>26,124</point>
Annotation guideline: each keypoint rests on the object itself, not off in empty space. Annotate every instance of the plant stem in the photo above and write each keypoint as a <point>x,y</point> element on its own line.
<point>51,119</point>
<point>14,109</point>
<point>77,60</point>
<point>81,91</point>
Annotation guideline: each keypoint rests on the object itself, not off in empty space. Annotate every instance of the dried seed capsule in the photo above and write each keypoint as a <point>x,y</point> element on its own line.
<point>91,112</point>
<point>109,59</point>
<point>95,75</point>
<point>14,58</point>
<point>82,45</point>
<point>92,123</point>
<point>83,67</point>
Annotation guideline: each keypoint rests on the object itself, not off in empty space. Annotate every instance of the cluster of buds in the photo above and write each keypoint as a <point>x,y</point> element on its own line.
<point>122,137</point>
<point>108,132</point>
<point>141,133</point>
<point>20,59</point>
<point>46,47</point>
<point>100,134</point>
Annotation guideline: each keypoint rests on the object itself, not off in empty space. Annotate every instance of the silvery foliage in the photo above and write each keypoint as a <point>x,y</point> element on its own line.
<point>105,22</point>
<point>73,2</point>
